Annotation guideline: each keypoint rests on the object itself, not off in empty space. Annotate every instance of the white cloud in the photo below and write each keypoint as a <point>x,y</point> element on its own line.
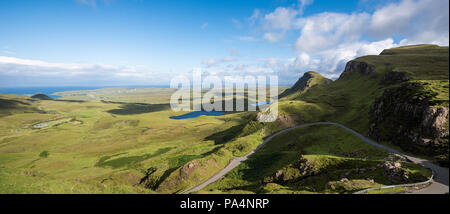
<point>326,30</point>
<point>375,48</point>
<point>204,25</point>
<point>282,18</point>
<point>303,4</point>
<point>255,16</point>
<point>209,62</point>
<point>327,41</point>
<point>12,66</point>
<point>273,37</point>
<point>423,21</point>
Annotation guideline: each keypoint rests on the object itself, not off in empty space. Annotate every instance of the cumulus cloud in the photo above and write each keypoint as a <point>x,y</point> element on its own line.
<point>327,40</point>
<point>282,18</point>
<point>326,30</point>
<point>303,4</point>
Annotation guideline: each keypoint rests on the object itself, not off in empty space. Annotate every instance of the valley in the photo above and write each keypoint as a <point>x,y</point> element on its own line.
<point>125,140</point>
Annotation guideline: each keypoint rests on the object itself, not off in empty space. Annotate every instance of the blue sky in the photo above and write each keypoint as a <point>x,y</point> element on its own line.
<point>130,42</point>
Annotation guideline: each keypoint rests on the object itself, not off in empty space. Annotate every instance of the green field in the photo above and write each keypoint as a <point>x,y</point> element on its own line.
<point>97,146</point>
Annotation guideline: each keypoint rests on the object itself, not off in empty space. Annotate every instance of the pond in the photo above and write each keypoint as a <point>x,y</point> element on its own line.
<point>195,114</point>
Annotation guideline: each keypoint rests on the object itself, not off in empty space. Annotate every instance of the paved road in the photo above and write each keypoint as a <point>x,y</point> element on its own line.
<point>439,186</point>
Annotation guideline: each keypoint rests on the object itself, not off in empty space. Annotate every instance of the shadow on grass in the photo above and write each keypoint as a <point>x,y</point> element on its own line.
<point>136,108</point>
<point>128,161</point>
<point>16,105</point>
<point>10,104</point>
<point>70,101</point>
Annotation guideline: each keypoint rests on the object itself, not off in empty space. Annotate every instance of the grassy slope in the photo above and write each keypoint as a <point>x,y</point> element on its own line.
<point>326,147</point>
<point>309,80</point>
<point>346,101</point>
<point>95,150</point>
<point>107,147</point>
<point>114,144</point>
<point>351,97</point>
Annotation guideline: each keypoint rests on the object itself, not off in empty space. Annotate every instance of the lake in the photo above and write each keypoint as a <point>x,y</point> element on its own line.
<point>195,114</point>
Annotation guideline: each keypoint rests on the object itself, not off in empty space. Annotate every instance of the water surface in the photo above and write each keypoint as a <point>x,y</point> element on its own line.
<point>195,114</point>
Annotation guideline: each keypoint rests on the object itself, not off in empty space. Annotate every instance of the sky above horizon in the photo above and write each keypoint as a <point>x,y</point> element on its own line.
<point>143,42</point>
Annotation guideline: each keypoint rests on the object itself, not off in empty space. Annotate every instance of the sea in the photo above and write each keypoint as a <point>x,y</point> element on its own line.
<point>50,90</point>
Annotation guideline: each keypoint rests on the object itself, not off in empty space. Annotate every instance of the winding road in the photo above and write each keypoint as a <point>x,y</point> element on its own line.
<point>438,186</point>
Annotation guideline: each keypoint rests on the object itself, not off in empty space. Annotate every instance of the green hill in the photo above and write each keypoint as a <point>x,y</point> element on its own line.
<point>41,96</point>
<point>399,96</point>
<point>350,100</point>
<point>308,80</point>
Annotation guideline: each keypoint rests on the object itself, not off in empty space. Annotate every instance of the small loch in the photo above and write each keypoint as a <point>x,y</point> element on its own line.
<point>195,114</point>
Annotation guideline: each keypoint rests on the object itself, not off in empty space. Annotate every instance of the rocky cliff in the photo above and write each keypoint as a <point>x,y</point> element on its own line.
<point>359,66</point>
<point>409,117</point>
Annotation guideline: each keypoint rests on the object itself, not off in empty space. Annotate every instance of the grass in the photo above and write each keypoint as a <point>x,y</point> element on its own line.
<point>89,142</point>
<point>332,152</point>
<point>348,100</point>
<point>387,190</point>
<point>112,138</point>
<point>108,140</point>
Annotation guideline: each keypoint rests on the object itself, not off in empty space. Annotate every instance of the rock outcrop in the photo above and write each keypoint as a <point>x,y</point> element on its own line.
<point>362,67</point>
<point>393,172</point>
<point>391,78</point>
<point>299,170</point>
<point>408,116</point>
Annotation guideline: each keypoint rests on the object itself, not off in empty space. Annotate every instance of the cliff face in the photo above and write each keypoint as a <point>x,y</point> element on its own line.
<point>361,67</point>
<point>408,117</point>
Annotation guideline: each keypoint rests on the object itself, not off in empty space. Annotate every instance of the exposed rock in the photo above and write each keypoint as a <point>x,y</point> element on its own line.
<point>361,67</point>
<point>394,158</point>
<point>344,180</point>
<point>186,170</point>
<point>306,167</point>
<point>409,117</point>
<point>394,78</point>
<point>286,121</point>
<point>302,168</point>
<point>266,117</point>
<point>393,172</point>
